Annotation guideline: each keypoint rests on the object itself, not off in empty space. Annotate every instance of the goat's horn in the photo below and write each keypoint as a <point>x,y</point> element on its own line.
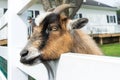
<point>62,7</point>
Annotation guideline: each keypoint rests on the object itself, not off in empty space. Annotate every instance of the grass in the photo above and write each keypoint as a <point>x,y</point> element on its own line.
<point>111,49</point>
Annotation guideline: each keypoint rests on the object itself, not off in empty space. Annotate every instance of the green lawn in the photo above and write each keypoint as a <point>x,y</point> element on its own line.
<point>111,49</point>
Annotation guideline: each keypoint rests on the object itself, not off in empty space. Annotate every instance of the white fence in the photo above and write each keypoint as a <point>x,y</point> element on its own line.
<point>102,29</point>
<point>4,20</point>
<point>88,67</point>
<point>2,77</point>
<point>3,26</point>
<point>3,52</point>
<point>74,66</point>
<point>71,66</point>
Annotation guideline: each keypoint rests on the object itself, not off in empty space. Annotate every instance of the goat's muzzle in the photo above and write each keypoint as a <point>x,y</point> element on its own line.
<point>28,57</point>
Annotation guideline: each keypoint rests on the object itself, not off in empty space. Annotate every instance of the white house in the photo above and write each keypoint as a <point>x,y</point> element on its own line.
<point>102,18</point>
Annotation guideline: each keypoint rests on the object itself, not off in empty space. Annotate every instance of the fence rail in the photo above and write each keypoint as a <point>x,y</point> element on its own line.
<point>74,66</point>
<point>3,26</point>
<point>38,72</point>
<point>102,29</point>
<point>2,77</point>
<point>4,52</point>
<point>117,29</point>
<point>88,67</point>
<point>3,20</point>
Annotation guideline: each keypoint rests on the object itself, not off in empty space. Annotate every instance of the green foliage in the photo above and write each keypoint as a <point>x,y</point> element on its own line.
<point>118,12</point>
<point>111,49</point>
<point>30,78</point>
<point>3,66</point>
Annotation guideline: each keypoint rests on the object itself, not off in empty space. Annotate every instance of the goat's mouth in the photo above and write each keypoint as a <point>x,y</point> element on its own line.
<point>30,61</point>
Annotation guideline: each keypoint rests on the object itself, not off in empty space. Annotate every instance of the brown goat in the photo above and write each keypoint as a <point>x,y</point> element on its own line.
<point>56,34</point>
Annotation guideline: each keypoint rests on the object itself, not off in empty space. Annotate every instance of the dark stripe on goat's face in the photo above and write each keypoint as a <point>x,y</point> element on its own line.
<point>50,19</point>
<point>49,40</point>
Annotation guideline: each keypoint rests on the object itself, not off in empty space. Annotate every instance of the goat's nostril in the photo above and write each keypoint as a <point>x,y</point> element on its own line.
<point>24,53</point>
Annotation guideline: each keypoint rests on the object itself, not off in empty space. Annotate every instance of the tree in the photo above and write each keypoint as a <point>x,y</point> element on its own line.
<point>47,4</point>
<point>117,4</point>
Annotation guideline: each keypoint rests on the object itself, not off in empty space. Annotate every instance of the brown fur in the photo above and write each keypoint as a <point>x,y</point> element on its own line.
<point>55,48</point>
<point>83,43</point>
<point>63,41</point>
<point>59,42</point>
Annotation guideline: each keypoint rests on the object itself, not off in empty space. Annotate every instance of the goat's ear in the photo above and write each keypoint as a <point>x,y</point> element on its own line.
<point>78,23</point>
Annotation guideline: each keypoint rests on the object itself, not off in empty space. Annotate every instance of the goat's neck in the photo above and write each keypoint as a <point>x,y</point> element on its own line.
<point>51,67</point>
<point>83,43</point>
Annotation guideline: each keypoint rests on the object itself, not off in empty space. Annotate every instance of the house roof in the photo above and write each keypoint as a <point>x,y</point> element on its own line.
<point>96,3</point>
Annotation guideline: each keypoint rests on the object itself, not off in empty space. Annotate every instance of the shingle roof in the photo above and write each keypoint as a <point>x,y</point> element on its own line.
<point>95,3</point>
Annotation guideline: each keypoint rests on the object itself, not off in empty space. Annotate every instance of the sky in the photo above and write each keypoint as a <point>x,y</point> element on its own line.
<point>110,2</point>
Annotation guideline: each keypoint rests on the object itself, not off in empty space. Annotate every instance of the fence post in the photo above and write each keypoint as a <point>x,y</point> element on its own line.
<point>17,37</point>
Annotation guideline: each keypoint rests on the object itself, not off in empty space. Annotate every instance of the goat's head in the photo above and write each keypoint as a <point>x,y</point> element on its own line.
<point>51,37</point>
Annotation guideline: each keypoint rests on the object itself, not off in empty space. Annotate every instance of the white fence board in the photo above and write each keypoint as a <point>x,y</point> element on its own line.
<point>24,5</point>
<point>4,33</point>
<point>79,67</point>
<point>2,77</point>
<point>38,72</point>
<point>4,52</point>
<point>3,20</point>
<point>17,36</point>
<point>88,67</point>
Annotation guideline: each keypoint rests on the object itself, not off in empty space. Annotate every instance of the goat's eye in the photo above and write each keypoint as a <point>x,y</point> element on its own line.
<point>54,28</point>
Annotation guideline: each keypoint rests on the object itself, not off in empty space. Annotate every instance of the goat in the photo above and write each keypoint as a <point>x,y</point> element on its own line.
<point>56,34</point>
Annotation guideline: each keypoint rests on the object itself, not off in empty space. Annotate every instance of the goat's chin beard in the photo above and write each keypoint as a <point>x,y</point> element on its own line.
<point>36,61</point>
<point>32,61</point>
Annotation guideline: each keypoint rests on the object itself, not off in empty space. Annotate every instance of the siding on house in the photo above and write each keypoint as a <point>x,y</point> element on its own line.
<point>98,17</point>
<point>101,20</point>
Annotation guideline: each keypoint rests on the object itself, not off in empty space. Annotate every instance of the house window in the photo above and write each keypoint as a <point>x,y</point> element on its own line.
<point>36,13</point>
<point>4,10</point>
<point>80,15</point>
<point>114,19</point>
<point>33,13</point>
<point>108,19</point>
<point>30,13</point>
<point>111,19</point>
<point>76,16</point>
